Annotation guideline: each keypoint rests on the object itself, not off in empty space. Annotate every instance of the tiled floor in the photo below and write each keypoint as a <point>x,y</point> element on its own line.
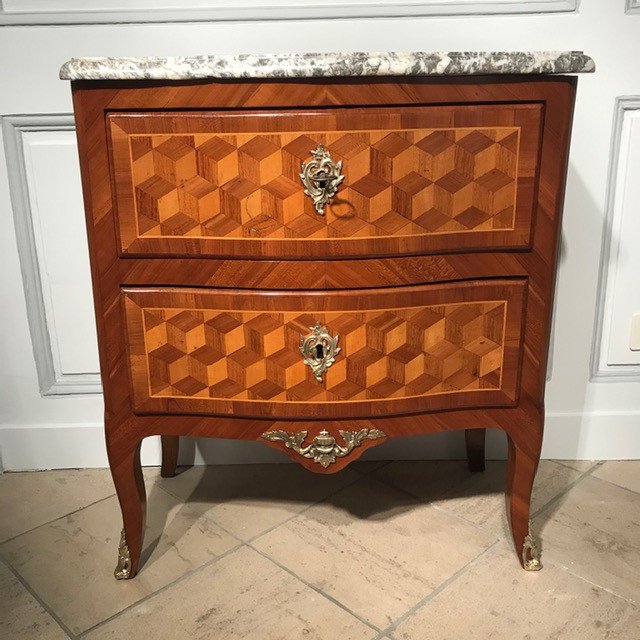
<point>395,551</point>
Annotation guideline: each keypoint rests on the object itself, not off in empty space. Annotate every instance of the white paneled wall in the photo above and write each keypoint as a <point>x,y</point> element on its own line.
<point>50,407</point>
<point>51,237</point>
<point>620,279</point>
<point>118,11</point>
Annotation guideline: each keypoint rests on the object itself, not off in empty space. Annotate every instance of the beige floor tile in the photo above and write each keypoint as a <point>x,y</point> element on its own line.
<point>30,499</point>
<point>477,497</point>
<point>594,531</point>
<point>495,599</point>
<point>368,466</point>
<point>578,465</point>
<point>243,595</point>
<point>150,474</point>
<point>374,549</point>
<point>69,563</point>
<point>624,473</point>
<point>21,616</point>
<point>249,499</point>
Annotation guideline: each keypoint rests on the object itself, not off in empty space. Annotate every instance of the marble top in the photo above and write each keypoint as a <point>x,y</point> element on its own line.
<point>307,65</point>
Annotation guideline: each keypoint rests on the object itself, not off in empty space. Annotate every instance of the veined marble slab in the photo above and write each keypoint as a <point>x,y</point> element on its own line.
<point>307,65</point>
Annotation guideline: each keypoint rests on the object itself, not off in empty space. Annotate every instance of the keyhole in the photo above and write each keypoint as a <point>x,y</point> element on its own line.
<point>319,351</point>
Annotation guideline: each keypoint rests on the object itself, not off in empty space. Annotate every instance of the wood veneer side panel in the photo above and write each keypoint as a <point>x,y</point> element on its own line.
<point>103,254</point>
<point>122,440</point>
<point>542,261</point>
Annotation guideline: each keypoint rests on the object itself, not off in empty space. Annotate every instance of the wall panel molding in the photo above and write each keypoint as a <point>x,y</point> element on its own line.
<point>612,256</point>
<point>44,335</point>
<point>60,12</point>
<point>633,6</point>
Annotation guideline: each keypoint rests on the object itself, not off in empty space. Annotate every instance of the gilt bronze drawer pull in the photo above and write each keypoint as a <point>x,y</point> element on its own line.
<point>324,449</point>
<point>321,178</point>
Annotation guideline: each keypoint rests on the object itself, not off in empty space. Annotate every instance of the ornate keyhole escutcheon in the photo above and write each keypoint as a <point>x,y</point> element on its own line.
<point>321,178</point>
<point>319,349</point>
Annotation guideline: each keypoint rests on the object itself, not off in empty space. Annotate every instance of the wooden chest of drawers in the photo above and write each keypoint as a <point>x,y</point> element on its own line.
<point>415,297</point>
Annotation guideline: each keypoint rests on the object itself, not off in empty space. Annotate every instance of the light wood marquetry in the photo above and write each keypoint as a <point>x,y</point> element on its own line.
<point>448,341</point>
<point>427,173</point>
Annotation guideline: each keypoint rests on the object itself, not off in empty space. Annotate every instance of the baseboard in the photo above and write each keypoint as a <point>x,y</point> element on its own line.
<point>568,436</point>
<point>592,436</point>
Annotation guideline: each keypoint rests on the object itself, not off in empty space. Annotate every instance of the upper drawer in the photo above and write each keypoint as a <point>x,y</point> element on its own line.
<point>417,179</point>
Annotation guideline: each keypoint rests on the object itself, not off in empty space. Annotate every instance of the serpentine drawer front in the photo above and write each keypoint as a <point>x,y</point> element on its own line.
<point>399,351</point>
<point>322,264</point>
<point>415,179</point>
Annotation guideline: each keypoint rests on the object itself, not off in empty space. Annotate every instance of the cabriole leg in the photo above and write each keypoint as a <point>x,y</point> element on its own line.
<point>521,471</point>
<point>170,448</point>
<point>124,460</point>
<point>474,440</point>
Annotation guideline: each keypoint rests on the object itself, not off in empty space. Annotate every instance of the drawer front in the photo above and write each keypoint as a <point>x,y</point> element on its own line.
<point>404,350</point>
<point>416,179</point>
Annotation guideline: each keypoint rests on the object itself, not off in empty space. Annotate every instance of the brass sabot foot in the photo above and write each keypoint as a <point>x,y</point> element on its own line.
<point>530,553</point>
<point>123,568</point>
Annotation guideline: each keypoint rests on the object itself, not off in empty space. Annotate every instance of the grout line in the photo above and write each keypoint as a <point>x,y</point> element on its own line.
<point>384,463</point>
<point>439,589</point>
<point>241,543</point>
<point>369,474</point>
<point>384,635</point>
<point>611,482</point>
<point>149,596</point>
<point>466,520</point>
<point>153,485</point>
<point>564,463</point>
<point>381,634</point>
<point>304,509</point>
<point>275,526</point>
<point>37,598</point>
<point>558,564</point>
<point>566,490</point>
<point>86,506</point>
<point>587,473</point>
<point>156,484</point>
<point>428,503</point>
<point>562,567</point>
<point>316,589</point>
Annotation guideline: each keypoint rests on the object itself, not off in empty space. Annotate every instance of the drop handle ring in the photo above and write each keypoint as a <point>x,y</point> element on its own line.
<point>321,177</point>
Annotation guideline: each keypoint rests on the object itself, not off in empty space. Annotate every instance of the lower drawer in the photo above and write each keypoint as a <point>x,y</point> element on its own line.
<point>325,354</point>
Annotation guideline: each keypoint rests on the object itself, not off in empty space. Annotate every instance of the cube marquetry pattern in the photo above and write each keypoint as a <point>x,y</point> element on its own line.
<point>404,182</point>
<point>387,353</point>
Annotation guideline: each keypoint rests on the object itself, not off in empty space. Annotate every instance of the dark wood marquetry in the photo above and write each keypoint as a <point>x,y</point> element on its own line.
<point>208,263</point>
